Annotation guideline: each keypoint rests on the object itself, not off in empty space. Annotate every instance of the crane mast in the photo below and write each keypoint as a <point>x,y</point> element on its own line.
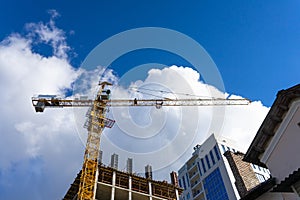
<point>97,121</point>
<point>95,126</point>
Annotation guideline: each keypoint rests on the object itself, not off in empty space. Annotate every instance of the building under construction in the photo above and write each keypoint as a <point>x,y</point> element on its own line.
<point>113,184</point>
<point>116,185</point>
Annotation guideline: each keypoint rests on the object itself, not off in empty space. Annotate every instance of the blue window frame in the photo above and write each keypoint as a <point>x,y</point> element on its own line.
<point>217,152</point>
<point>183,180</point>
<point>203,165</point>
<point>180,185</point>
<point>199,168</point>
<point>212,157</point>
<point>207,161</point>
<point>187,180</point>
<point>223,147</point>
<point>188,196</point>
<point>260,177</point>
<point>215,187</point>
<point>259,168</point>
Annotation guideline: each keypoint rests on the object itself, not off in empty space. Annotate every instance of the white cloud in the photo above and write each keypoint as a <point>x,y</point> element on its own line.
<point>166,137</point>
<point>242,123</point>
<point>40,154</point>
<point>48,33</point>
<point>36,150</point>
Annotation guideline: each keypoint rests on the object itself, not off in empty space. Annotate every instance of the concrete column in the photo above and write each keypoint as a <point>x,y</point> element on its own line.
<point>150,190</point>
<point>177,195</point>
<point>130,186</point>
<point>113,186</point>
<point>96,183</point>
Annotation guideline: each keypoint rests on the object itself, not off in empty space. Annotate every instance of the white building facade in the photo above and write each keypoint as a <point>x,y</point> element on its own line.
<point>276,145</point>
<point>207,174</point>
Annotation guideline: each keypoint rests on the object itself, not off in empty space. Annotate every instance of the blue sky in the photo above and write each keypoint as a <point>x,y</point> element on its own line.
<point>254,44</point>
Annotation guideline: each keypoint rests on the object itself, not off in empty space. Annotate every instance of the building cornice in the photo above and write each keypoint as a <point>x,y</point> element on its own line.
<point>269,127</point>
<point>280,131</point>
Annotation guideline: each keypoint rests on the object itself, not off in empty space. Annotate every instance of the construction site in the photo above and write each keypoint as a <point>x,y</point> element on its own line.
<point>96,181</point>
<point>113,184</point>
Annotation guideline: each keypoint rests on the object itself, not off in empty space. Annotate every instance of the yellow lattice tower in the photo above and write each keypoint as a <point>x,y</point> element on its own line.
<point>95,126</point>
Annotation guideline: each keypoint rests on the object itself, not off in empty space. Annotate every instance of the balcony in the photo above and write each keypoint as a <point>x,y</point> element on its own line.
<point>194,176</point>
<point>191,166</point>
<point>198,194</point>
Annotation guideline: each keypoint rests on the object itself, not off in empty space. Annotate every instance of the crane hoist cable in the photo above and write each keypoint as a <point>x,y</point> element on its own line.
<point>169,92</point>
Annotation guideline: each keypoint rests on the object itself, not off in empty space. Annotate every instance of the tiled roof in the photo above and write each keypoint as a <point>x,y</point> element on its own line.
<point>285,185</point>
<point>259,189</point>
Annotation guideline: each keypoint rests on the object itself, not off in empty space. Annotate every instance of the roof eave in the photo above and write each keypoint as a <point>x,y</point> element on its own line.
<point>273,119</point>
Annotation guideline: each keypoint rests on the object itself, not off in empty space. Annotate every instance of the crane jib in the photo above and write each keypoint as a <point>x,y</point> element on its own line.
<point>41,103</point>
<point>97,121</point>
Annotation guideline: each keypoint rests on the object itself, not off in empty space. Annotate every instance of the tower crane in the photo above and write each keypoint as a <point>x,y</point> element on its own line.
<point>97,121</point>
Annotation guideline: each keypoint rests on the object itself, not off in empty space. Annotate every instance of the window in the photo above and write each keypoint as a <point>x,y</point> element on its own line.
<point>207,161</point>
<point>214,186</point>
<point>180,185</point>
<point>260,177</point>
<point>203,165</point>
<point>217,152</point>
<point>188,196</point>
<point>187,180</point>
<point>199,168</point>
<point>223,147</point>
<point>212,157</point>
<point>183,180</point>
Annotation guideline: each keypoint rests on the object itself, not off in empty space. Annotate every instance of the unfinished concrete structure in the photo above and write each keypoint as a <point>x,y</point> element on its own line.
<point>116,185</point>
<point>114,161</point>
<point>148,172</point>
<point>129,165</point>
